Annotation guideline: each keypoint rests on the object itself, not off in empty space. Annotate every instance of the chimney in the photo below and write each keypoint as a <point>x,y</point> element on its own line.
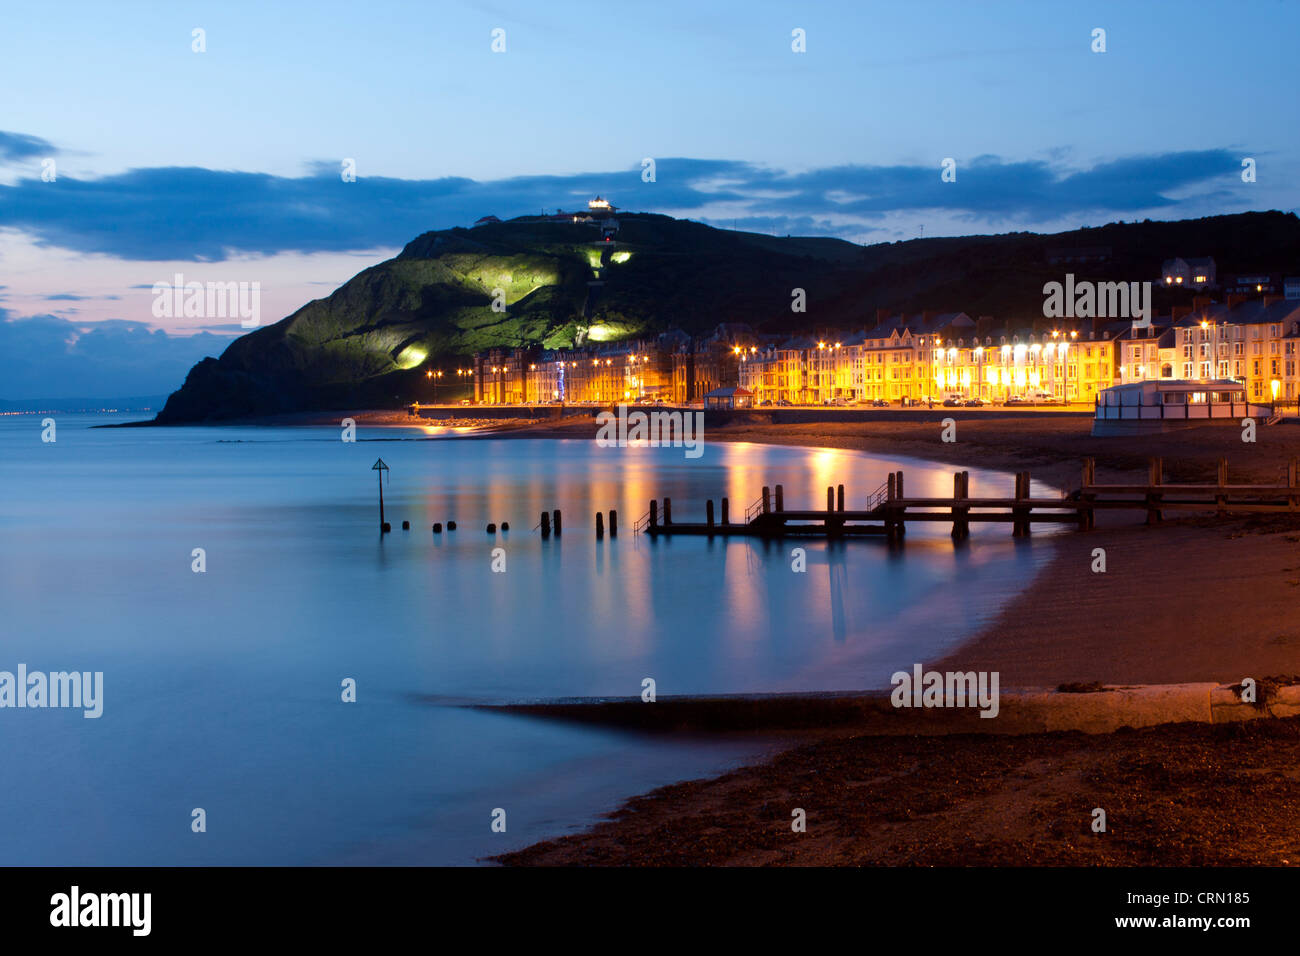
<point>1201,302</point>
<point>1235,300</point>
<point>882,316</point>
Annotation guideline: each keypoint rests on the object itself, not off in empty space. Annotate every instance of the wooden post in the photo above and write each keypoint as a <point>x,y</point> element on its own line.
<point>600,526</point>
<point>1221,496</point>
<point>900,525</point>
<point>767,504</point>
<point>1019,524</point>
<point>839,497</point>
<point>546,525</point>
<point>708,512</point>
<point>613,523</point>
<point>892,490</point>
<point>1292,474</point>
<point>1015,509</point>
<point>1088,516</point>
<point>654,514</point>
<point>555,520</point>
<point>830,499</point>
<point>780,498</point>
<point>726,511</point>
<point>956,497</point>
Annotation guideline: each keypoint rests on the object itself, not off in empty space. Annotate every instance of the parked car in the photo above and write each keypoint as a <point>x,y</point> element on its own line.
<point>1016,400</point>
<point>879,403</point>
<point>951,402</point>
<point>975,403</point>
<point>783,402</point>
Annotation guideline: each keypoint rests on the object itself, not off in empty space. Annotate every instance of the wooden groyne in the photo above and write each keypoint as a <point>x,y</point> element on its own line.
<point>888,510</point>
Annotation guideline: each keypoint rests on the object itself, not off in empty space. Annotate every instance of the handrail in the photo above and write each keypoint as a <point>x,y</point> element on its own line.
<point>641,523</point>
<point>754,510</point>
<point>879,496</point>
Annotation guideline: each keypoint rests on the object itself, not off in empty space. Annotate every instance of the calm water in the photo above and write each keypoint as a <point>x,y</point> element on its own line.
<point>222,689</point>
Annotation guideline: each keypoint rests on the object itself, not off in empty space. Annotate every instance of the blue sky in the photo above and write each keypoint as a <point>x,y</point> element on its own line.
<point>223,165</point>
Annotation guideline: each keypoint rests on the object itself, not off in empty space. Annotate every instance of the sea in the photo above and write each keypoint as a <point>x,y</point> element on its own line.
<point>282,684</point>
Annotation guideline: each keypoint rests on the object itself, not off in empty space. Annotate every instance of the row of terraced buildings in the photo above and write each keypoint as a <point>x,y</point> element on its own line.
<point>923,357</point>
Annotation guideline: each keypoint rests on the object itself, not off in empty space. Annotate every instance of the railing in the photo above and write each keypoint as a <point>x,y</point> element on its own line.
<point>754,510</point>
<point>879,496</point>
<point>641,523</point>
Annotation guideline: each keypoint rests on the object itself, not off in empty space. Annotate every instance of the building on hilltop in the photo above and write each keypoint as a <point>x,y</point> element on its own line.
<point>1194,273</point>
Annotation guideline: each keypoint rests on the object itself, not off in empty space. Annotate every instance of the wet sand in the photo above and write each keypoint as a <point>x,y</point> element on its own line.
<point>1176,795</point>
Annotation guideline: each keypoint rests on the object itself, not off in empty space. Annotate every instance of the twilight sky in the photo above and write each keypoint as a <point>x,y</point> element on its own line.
<point>224,165</point>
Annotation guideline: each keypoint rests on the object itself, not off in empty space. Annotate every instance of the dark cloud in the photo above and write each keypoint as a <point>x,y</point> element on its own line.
<point>20,146</point>
<point>208,215</point>
<point>44,356</point>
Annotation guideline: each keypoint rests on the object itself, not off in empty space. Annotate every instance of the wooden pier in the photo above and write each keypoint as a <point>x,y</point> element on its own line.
<point>888,509</point>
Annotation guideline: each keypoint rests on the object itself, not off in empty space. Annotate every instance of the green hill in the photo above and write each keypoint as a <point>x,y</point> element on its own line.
<point>370,342</point>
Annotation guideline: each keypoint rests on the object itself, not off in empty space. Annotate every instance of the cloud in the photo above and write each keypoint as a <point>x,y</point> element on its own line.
<point>20,146</point>
<point>188,213</point>
<point>44,356</point>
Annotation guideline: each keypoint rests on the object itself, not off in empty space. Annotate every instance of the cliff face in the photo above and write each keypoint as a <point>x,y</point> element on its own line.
<point>371,341</point>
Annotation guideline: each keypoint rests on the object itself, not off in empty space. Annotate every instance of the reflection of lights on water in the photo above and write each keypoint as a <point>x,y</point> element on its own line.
<point>434,430</point>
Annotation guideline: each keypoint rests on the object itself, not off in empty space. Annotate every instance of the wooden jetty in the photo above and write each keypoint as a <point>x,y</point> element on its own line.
<point>888,509</point>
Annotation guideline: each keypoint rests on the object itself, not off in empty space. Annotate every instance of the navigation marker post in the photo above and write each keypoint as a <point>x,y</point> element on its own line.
<point>380,467</point>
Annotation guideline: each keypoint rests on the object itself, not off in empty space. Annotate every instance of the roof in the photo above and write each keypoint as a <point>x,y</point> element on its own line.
<point>1179,385</point>
<point>732,391</point>
<point>1250,312</point>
